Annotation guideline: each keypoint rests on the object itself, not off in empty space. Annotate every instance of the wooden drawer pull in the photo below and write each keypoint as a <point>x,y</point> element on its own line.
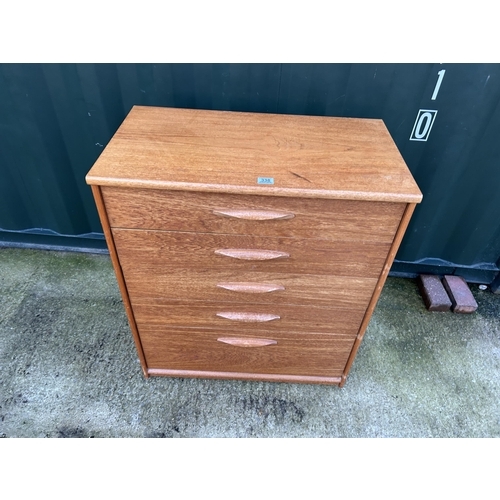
<point>255,214</point>
<point>251,287</point>
<point>249,254</point>
<point>246,342</point>
<point>248,317</point>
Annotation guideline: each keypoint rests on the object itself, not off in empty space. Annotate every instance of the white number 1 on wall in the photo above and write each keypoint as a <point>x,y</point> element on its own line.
<point>438,84</point>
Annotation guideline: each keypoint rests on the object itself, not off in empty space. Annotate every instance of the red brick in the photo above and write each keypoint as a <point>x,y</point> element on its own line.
<point>433,293</point>
<point>461,297</point>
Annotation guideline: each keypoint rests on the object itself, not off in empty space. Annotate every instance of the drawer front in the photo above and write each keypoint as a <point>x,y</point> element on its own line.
<point>146,282</point>
<point>202,252</point>
<point>225,316</point>
<point>257,215</point>
<point>194,349</point>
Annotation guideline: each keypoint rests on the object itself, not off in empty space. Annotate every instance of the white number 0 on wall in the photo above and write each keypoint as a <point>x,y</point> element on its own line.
<point>423,124</point>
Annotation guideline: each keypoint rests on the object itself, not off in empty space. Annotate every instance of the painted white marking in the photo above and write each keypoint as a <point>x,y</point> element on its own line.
<point>438,84</point>
<point>423,124</point>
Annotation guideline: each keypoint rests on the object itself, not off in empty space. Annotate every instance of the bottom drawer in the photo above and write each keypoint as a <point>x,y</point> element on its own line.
<point>230,351</point>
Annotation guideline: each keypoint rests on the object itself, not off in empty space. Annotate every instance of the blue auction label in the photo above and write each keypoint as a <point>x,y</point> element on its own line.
<point>265,180</point>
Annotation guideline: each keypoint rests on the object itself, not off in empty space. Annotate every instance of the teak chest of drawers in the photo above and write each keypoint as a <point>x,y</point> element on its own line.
<point>251,246</point>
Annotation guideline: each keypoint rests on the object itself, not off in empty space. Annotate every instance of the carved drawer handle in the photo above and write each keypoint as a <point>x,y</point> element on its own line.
<point>251,287</point>
<point>246,342</point>
<point>249,254</point>
<point>255,214</point>
<point>248,317</point>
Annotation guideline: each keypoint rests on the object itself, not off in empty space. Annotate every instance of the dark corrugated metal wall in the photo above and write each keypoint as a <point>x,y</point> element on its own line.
<point>55,120</point>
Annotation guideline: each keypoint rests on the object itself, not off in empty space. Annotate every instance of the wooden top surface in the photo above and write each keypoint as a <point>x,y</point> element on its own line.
<point>226,151</point>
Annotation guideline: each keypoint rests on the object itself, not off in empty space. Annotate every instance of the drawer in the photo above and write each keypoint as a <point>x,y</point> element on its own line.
<point>148,282</point>
<point>248,317</point>
<point>239,214</point>
<point>194,349</point>
<point>164,250</point>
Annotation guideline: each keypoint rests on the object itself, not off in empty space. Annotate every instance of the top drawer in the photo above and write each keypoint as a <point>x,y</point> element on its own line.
<point>255,215</point>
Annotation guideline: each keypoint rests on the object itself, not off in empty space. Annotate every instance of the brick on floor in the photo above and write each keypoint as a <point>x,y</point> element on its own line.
<point>461,297</point>
<point>433,293</point>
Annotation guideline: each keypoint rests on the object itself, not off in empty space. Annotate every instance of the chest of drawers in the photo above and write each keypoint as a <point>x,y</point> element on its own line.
<point>251,246</point>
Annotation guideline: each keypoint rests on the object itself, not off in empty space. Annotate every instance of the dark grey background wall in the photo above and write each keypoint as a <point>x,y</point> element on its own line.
<point>55,120</point>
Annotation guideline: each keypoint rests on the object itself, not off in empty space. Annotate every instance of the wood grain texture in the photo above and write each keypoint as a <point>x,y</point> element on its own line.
<point>196,251</point>
<point>297,319</point>
<point>195,349</point>
<point>253,214</point>
<point>148,281</point>
<point>223,277</point>
<point>248,287</point>
<point>248,317</point>
<point>101,209</point>
<point>344,220</point>
<point>251,254</point>
<point>247,342</point>
<point>220,151</point>
<point>265,377</point>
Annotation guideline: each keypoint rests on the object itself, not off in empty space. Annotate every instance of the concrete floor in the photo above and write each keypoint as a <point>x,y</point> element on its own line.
<point>68,368</point>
